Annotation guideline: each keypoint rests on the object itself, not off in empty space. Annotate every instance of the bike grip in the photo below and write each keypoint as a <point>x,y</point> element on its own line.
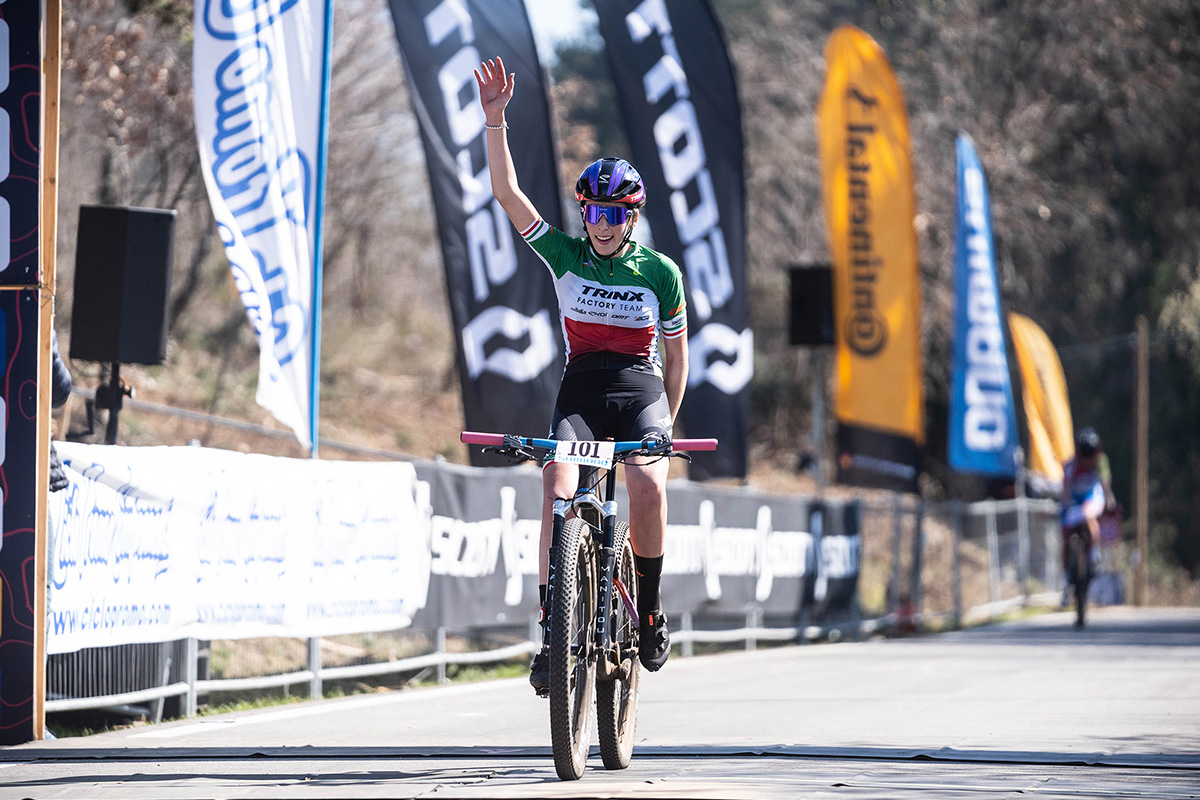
<point>693,444</point>
<point>471,437</point>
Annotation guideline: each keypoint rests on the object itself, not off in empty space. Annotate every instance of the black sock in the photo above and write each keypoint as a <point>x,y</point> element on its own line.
<point>649,571</point>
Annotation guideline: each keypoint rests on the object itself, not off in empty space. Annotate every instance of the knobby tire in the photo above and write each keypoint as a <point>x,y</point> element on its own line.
<point>572,670</point>
<point>617,701</point>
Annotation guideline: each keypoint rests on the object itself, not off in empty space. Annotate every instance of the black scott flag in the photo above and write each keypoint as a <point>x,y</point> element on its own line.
<point>510,353</point>
<point>680,106</point>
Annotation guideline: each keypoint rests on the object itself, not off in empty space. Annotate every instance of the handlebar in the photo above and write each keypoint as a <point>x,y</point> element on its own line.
<point>515,445</point>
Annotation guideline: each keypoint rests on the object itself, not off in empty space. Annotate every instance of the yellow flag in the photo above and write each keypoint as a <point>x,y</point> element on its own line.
<point>869,208</point>
<point>1044,397</point>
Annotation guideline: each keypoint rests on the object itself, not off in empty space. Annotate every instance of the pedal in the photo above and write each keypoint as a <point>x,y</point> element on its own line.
<point>542,692</point>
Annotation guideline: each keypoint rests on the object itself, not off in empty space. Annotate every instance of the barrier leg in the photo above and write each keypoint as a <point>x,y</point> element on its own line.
<point>191,671</point>
<point>315,689</point>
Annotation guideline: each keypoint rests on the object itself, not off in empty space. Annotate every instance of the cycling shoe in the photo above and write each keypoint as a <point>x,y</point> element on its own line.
<point>654,646</point>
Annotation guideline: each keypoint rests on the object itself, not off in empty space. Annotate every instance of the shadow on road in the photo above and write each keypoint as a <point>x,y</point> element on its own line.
<point>112,755</point>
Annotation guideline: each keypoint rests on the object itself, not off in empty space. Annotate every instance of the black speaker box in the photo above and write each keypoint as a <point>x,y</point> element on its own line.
<point>123,259</point>
<point>811,309</point>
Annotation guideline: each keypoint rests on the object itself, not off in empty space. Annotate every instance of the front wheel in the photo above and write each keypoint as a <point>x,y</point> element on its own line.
<point>617,700</point>
<point>572,670</point>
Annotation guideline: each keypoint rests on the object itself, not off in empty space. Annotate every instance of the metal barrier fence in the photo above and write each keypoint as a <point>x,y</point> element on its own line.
<point>946,558</point>
<point>923,563</point>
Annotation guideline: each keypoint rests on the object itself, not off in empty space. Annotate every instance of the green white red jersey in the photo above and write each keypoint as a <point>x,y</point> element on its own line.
<point>615,305</point>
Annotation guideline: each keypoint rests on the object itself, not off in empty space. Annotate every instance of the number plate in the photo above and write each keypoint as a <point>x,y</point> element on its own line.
<point>588,454</point>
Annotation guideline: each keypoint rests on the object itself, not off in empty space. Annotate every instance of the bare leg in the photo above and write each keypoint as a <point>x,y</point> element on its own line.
<point>647,485</point>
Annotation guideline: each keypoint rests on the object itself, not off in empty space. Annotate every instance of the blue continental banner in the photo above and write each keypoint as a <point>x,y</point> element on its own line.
<point>983,419</point>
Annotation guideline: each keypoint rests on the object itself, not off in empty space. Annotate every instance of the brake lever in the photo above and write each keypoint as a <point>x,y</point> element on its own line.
<point>515,455</point>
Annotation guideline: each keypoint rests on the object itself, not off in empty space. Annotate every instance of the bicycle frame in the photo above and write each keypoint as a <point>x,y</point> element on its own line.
<point>603,506</point>
<point>600,514</point>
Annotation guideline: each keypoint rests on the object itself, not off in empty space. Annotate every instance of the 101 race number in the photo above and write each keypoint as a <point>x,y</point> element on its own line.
<point>588,454</point>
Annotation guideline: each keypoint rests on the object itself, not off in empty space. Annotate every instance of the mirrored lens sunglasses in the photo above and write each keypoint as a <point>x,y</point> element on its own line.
<point>616,214</point>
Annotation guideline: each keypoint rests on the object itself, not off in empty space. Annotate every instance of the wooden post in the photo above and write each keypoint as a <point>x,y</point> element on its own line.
<point>48,223</point>
<point>1140,579</point>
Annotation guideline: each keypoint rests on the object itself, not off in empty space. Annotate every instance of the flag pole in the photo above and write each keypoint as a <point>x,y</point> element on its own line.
<point>314,397</point>
<point>1142,461</point>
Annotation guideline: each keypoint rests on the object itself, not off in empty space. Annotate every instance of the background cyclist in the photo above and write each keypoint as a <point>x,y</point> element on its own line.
<point>1086,492</point>
<point>625,325</point>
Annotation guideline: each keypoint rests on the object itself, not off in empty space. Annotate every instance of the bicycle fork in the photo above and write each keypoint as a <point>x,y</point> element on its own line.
<point>608,660</point>
<point>561,509</point>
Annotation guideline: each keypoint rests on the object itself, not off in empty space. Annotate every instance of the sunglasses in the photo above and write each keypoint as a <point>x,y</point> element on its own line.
<point>616,215</point>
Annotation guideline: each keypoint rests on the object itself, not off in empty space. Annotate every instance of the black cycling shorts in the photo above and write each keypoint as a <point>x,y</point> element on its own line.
<point>621,404</point>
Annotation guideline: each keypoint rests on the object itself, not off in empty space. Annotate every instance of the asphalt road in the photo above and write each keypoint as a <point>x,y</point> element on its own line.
<point>1029,709</point>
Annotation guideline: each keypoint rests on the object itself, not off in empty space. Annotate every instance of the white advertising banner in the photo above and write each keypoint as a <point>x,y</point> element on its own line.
<point>155,544</point>
<point>259,73</point>
<point>161,543</point>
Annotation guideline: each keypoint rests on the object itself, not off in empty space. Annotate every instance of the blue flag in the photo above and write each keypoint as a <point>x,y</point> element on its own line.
<point>983,421</point>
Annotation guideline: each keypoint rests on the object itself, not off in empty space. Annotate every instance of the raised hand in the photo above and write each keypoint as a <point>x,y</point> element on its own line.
<point>495,89</point>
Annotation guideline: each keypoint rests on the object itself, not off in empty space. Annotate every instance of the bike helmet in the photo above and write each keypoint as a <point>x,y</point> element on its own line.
<point>1087,443</point>
<point>611,180</point>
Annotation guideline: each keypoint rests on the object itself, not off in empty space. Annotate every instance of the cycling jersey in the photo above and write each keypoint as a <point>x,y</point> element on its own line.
<point>612,305</point>
<point>1084,491</point>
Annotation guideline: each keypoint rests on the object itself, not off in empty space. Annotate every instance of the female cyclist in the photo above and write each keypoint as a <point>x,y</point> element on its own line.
<point>625,325</point>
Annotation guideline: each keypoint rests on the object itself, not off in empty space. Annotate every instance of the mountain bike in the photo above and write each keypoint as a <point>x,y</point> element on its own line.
<point>591,596</point>
<point>1079,569</point>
